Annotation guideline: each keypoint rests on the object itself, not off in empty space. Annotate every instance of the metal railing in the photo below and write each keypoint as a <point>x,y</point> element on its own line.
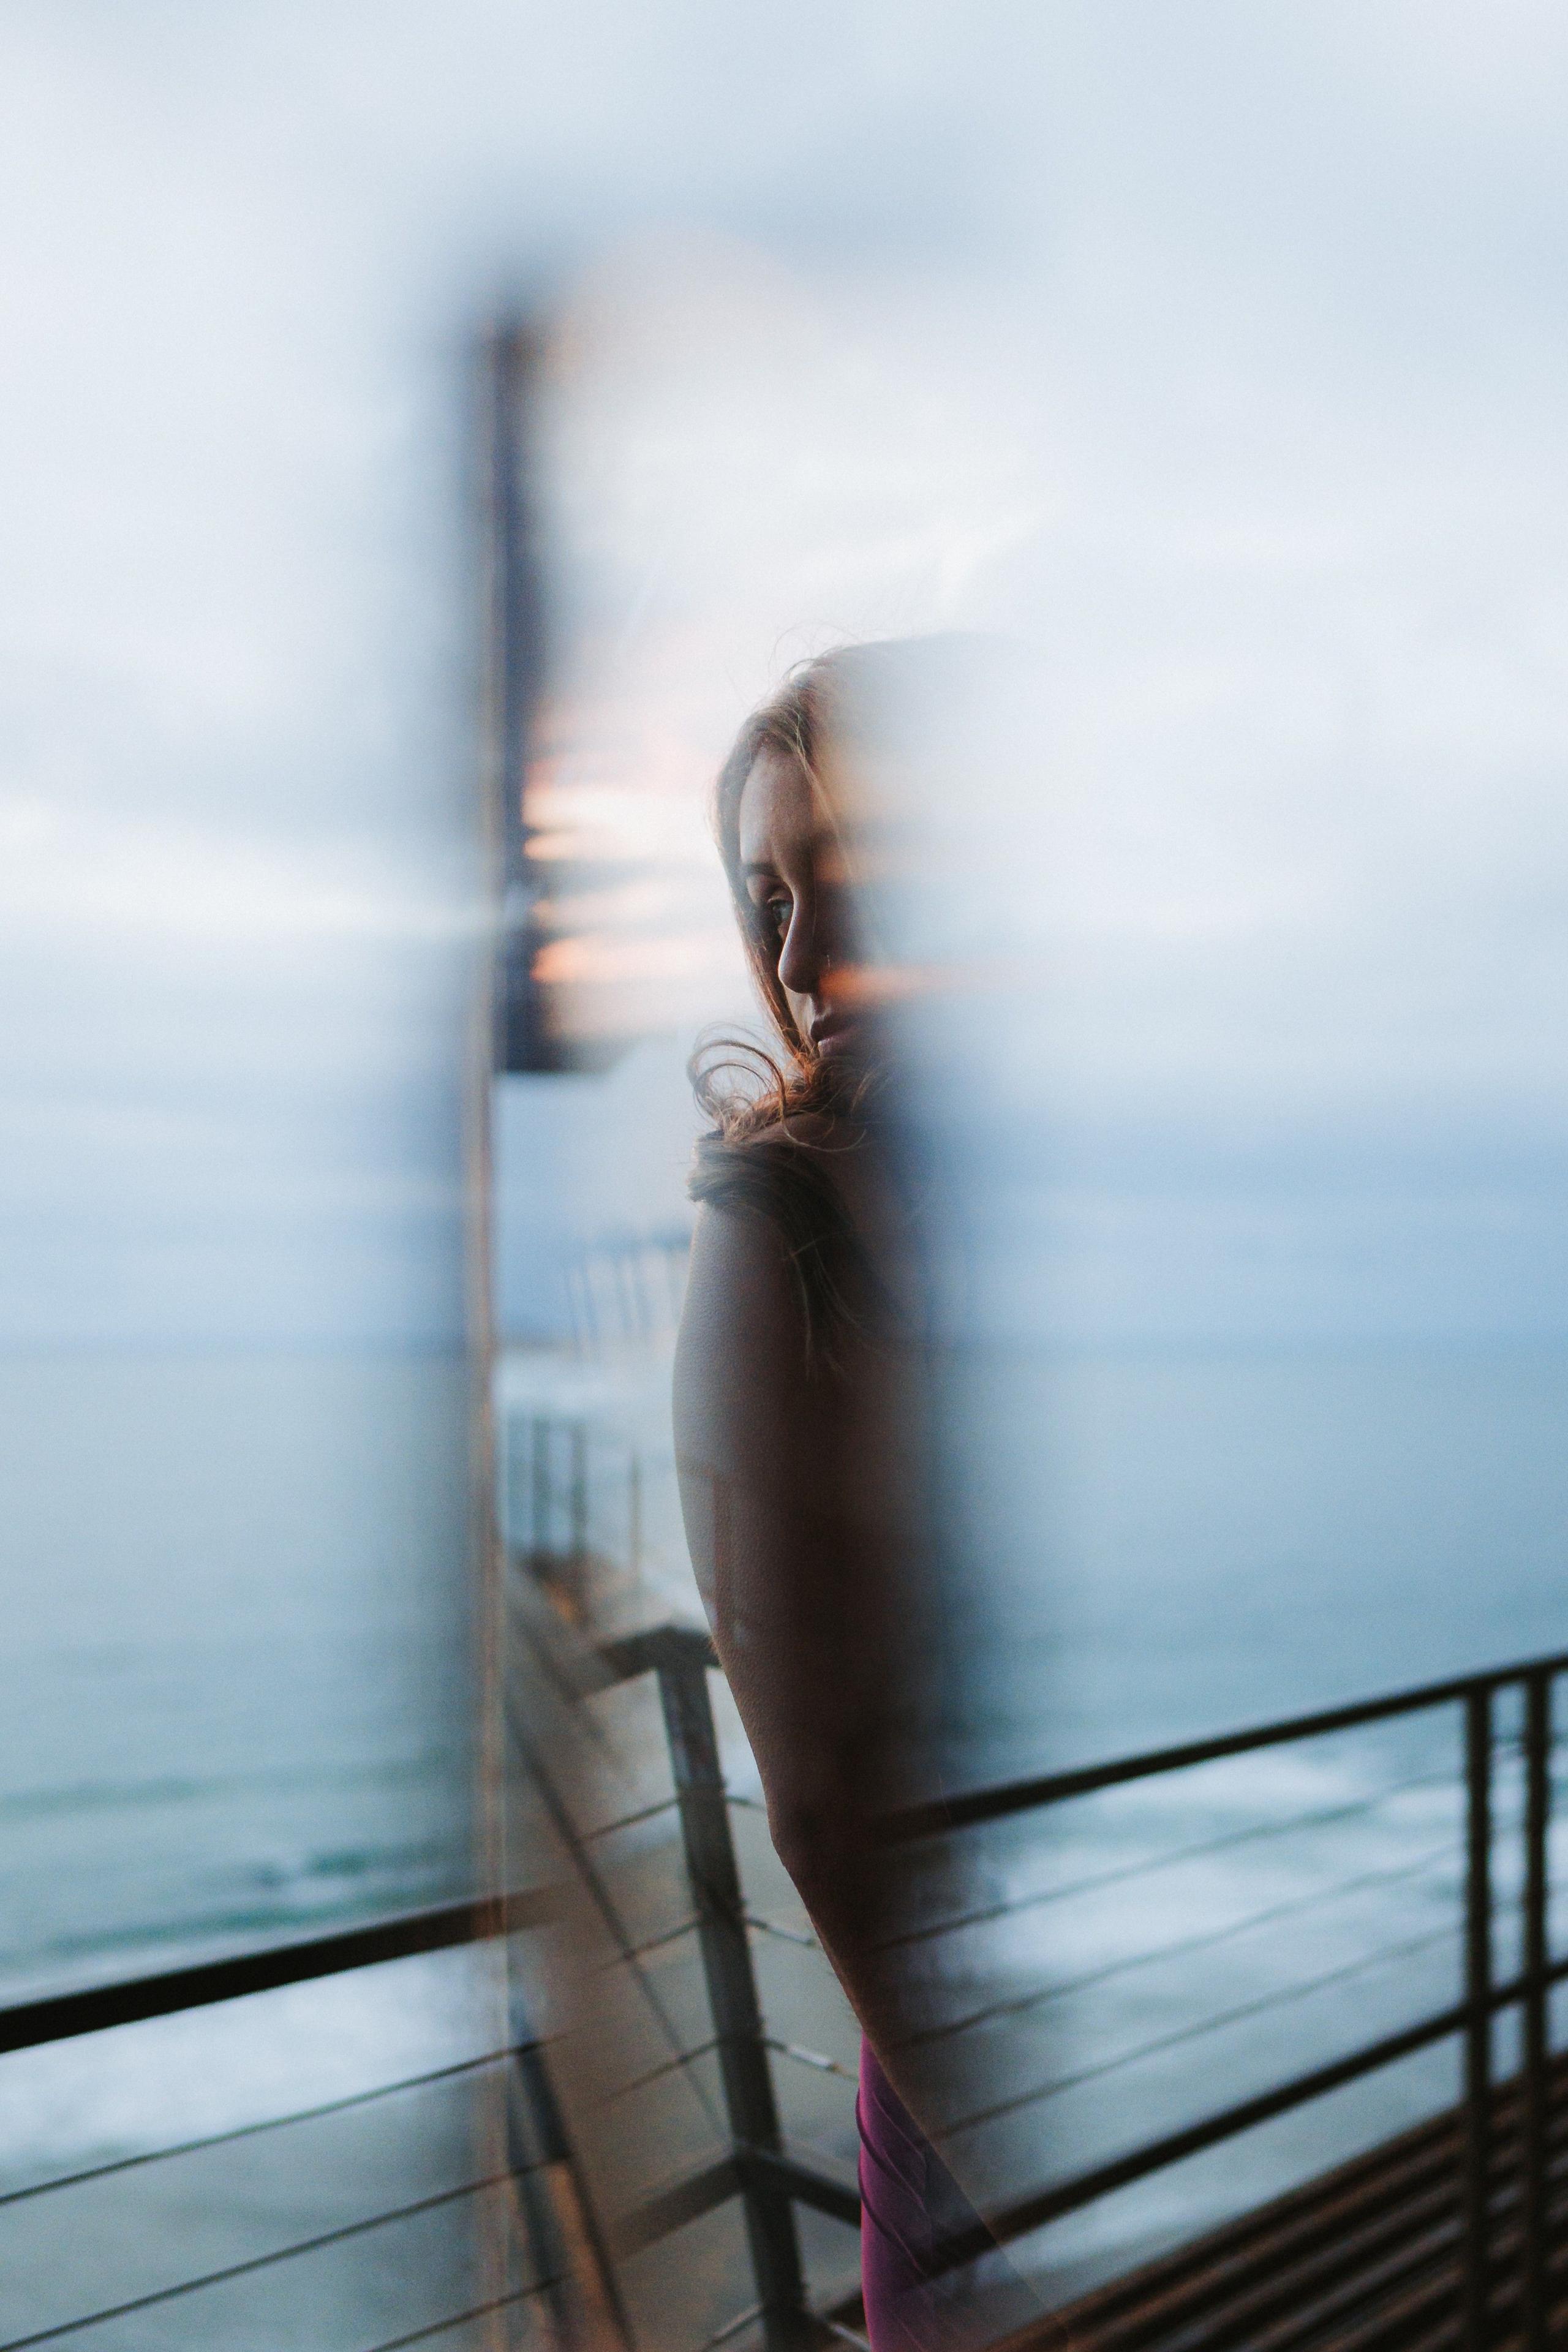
<point>1471,2019</point>
<point>561,2225</point>
<point>537,2158</point>
<point>771,2182</point>
<point>774,2182</point>
<point>757,2168</point>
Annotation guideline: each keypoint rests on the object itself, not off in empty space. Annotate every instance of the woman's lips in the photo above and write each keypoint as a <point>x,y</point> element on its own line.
<point>830,1032</point>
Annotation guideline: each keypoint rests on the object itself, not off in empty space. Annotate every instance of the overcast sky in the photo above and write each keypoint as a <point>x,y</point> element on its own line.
<point>1217,352</point>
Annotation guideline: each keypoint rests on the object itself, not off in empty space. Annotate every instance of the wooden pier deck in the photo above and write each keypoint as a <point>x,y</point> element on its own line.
<point>1366,2258</point>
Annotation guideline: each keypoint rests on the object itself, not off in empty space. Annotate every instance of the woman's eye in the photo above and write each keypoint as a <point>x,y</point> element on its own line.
<point>777,911</point>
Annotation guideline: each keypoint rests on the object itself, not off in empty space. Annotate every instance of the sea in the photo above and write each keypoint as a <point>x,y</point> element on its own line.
<point>1169,1542</point>
<point>236,1703</point>
<point>236,1661</point>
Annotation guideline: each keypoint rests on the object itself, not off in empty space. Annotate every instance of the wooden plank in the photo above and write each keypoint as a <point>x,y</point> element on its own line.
<point>1366,2258</point>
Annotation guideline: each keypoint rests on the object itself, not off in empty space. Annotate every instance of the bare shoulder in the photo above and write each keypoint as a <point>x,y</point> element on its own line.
<point>738,1276</point>
<point>741,1357</point>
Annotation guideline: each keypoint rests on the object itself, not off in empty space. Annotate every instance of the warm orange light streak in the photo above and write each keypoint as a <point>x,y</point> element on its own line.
<point>595,960</point>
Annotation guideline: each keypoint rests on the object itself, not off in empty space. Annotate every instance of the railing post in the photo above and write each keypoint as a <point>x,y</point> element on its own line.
<point>732,1990</point>
<point>539,1505</point>
<point>1535,2118</point>
<point>579,1493</point>
<point>1478,2027</point>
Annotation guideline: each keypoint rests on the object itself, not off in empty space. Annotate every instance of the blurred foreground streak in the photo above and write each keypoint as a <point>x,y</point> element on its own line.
<point>689,2199</point>
<point>698,2060</point>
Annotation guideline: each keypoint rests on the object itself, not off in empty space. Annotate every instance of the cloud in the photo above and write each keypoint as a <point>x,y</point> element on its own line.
<point>1215,353</point>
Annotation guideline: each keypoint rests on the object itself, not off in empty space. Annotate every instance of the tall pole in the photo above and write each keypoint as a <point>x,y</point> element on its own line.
<point>516,668</point>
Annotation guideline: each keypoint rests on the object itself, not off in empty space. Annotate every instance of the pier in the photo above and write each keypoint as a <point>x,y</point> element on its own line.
<point>1446,2233</point>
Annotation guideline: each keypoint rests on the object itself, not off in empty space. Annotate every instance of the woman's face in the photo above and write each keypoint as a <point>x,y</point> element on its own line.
<point>792,869</point>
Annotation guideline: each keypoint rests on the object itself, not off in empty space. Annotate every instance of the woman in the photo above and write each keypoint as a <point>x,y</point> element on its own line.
<point>796,1406</point>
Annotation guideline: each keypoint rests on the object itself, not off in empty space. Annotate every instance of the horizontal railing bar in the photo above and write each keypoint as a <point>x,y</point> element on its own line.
<point>1146,1865</point>
<point>479,2311</point>
<point>630,1821</point>
<point>130,2001</point>
<point>731,2328</point>
<point>816,2059</point>
<point>259,2262</point>
<point>253,2131</point>
<point>1336,1891</point>
<point>695,2193</point>
<point>845,2334</point>
<point>1054,2204</point>
<point>786,1934</point>
<point>1054,1788</point>
<point>805,2184</point>
<point>654,2074</point>
<point>1261,2006</point>
<point>640,1951</point>
<point>673,2206</point>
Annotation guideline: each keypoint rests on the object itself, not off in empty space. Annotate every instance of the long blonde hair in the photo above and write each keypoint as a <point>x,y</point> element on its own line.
<point>781,1113</point>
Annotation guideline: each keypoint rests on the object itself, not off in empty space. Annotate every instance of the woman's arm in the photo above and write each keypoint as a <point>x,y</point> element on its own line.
<point>783,1485</point>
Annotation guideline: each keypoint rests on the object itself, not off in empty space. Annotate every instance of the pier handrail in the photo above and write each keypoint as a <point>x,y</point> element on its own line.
<point>267,1968</point>
<point>1472,2017</point>
<point>680,1658</point>
<point>538,2161</point>
<point>994,1804</point>
<point>772,2180</point>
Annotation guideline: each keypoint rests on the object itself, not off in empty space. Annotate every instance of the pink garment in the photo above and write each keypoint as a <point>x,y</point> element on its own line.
<point>909,2203</point>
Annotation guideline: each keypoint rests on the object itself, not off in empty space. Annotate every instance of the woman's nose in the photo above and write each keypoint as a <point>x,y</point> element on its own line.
<point>798,953</point>
<point>799,960</point>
